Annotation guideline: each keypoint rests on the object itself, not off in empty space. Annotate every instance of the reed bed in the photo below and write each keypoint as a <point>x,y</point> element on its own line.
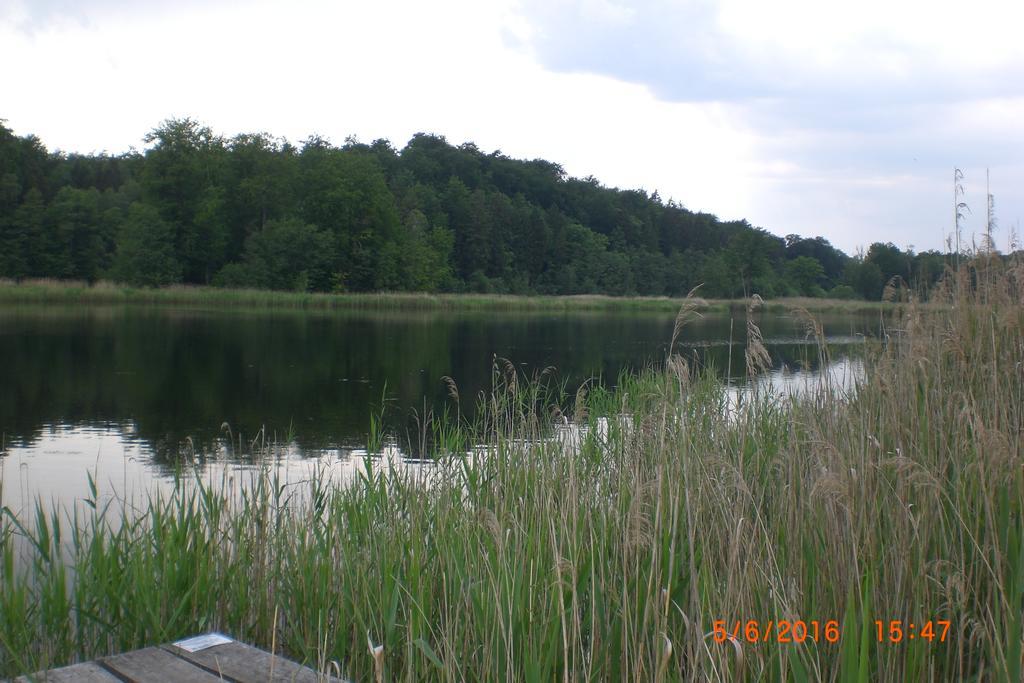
<point>611,555</point>
<point>77,292</point>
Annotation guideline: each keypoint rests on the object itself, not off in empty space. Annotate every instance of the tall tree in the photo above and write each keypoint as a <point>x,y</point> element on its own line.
<point>346,194</point>
<point>145,254</point>
<point>180,177</point>
<point>806,274</point>
<point>286,254</point>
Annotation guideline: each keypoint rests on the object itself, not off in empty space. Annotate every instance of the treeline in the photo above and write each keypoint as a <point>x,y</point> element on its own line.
<point>257,211</point>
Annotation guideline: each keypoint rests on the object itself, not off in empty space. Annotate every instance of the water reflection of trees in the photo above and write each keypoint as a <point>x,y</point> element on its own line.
<point>177,376</point>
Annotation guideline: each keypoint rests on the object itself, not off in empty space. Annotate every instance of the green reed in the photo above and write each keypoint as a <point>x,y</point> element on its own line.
<point>607,550</point>
<point>105,293</point>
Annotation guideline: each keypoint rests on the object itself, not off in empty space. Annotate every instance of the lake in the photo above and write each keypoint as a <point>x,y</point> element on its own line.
<point>124,392</point>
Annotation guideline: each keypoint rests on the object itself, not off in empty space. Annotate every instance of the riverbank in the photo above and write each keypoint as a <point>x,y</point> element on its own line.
<point>797,539</point>
<point>72,292</point>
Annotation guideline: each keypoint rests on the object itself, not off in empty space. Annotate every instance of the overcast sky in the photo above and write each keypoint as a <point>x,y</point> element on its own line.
<point>809,116</point>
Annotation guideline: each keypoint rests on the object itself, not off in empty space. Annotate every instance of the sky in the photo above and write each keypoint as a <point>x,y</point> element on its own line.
<point>844,120</point>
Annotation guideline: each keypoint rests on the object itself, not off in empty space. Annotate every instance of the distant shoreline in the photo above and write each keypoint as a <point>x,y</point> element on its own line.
<point>77,292</point>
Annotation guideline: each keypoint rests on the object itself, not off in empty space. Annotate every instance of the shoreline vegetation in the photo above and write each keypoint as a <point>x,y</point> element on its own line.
<point>616,556</point>
<point>253,210</point>
<point>46,291</point>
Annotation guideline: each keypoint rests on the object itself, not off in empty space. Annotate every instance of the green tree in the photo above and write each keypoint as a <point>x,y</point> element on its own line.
<point>650,271</point>
<point>717,278</point>
<point>615,275</point>
<point>180,176</point>
<point>287,254</point>
<point>419,260</point>
<point>928,268</point>
<point>346,194</point>
<point>747,257</point>
<point>890,260</point>
<point>78,243</point>
<point>145,254</point>
<point>431,216</point>
<point>865,278</point>
<point>14,238</point>
<point>831,259</point>
<point>469,220</point>
<point>263,177</point>
<point>588,258</point>
<point>806,274</point>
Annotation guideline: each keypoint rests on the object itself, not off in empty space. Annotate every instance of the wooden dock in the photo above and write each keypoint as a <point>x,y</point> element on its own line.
<point>212,658</point>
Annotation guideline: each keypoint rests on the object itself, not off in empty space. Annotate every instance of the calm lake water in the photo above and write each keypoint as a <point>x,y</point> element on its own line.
<point>122,392</point>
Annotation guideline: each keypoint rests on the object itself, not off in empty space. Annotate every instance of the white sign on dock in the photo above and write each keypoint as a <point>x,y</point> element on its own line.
<point>207,640</point>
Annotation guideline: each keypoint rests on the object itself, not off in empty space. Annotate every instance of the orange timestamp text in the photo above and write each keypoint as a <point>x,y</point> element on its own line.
<point>814,631</point>
<point>781,631</point>
<point>899,630</point>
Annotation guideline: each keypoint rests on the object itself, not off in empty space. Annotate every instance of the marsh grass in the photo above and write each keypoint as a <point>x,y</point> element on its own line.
<point>609,558</point>
<point>77,292</point>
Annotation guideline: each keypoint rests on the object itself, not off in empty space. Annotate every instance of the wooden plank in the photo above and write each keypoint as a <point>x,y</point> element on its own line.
<point>247,664</point>
<point>154,665</point>
<point>86,672</point>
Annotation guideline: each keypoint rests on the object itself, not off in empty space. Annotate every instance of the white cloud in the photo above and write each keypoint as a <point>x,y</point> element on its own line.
<point>735,49</point>
<point>372,70</point>
<point>800,116</point>
<point>856,112</point>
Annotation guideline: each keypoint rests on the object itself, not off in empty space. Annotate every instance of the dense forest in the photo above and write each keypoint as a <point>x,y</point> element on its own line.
<point>257,211</point>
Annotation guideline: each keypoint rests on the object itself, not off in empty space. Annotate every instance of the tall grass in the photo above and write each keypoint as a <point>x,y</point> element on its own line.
<point>607,555</point>
<point>77,292</point>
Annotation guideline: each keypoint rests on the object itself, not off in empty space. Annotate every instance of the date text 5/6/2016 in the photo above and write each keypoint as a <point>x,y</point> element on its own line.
<point>801,631</point>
